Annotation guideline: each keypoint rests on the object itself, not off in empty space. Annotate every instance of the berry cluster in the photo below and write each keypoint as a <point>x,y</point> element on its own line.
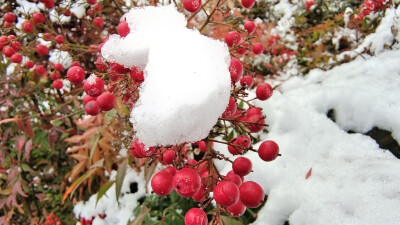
<point>369,6</point>
<point>52,219</point>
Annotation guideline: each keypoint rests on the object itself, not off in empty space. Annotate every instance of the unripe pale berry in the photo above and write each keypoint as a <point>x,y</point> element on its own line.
<point>58,84</point>
<point>38,17</point>
<point>235,69</point>
<point>192,5</point>
<point>161,183</point>
<point>226,193</point>
<point>76,74</point>
<point>92,108</point>
<point>242,166</point>
<point>268,150</point>
<point>249,26</point>
<point>237,209</point>
<point>196,216</point>
<point>16,58</point>
<point>98,22</point>
<point>232,38</point>
<point>123,28</point>
<point>248,80</point>
<point>248,3</point>
<point>187,182</point>
<point>258,48</point>
<point>42,49</point>
<point>251,194</point>
<point>264,91</point>
<point>9,17</point>
<point>59,39</point>
<point>93,86</point>
<point>106,101</point>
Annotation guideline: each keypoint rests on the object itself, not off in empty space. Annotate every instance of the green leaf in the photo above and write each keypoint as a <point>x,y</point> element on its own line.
<point>120,177</point>
<point>110,115</point>
<point>57,123</point>
<point>103,190</point>
<point>230,221</point>
<point>93,142</point>
<point>139,219</point>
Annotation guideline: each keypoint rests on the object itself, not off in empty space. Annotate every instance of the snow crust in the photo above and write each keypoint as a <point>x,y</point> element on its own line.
<point>353,181</point>
<point>187,81</point>
<point>58,56</point>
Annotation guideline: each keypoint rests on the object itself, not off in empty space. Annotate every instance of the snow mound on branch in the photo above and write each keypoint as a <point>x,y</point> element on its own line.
<point>187,81</point>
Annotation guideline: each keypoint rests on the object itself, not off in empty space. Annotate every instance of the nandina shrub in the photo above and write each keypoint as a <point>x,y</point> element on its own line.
<point>54,154</point>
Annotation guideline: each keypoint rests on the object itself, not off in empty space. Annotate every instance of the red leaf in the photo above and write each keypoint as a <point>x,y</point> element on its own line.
<point>19,142</point>
<point>28,149</point>
<point>17,189</point>
<point>309,173</point>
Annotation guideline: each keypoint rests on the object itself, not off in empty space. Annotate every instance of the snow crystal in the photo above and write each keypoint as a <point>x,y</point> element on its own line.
<point>353,181</point>
<point>26,7</point>
<point>58,56</point>
<point>187,81</point>
<point>79,8</point>
<point>57,18</point>
<point>91,79</point>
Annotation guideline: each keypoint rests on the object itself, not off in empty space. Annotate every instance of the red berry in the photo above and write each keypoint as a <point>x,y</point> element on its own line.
<point>256,123</point>
<point>161,183</point>
<point>249,26</point>
<point>29,64</point>
<point>98,22</point>
<point>248,80</point>
<point>237,209</point>
<point>59,39</point>
<point>75,63</point>
<point>192,5</point>
<point>226,193</point>
<point>7,24</point>
<point>240,144</point>
<point>42,49</point>
<point>118,68</point>
<point>258,48</point>
<point>136,74</point>
<point>242,166</point>
<point>3,39</point>
<point>39,69</point>
<point>268,151</point>
<point>8,51</point>
<point>235,69</point>
<point>264,91</point>
<point>100,65</point>
<point>9,17</point>
<point>199,196</point>
<point>92,2</point>
<point>27,26</point>
<point>67,12</point>
<point>243,49</point>
<point>233,177</point>
<point>196,216</point>
<point>16,45</point>
<point>87,98</point>
<point>139,150</point>
<point>310,3</point>
<point>254,111</point>
<point>106,101</point>
<point>47,36</point>
<point>58,84</point>
<point>251,194</point>
<point>97,7</point>
<point>123,28</point>
<point>38,17</point>
<point>55,75</point>
<point>187,182</point>
<point>168,156</point>
<point>49,4</point>
<point>58,67</point>
<point>202,146</point>
<point>232,38</point>
<point>16,58</point>
<point>76,74</point>
<point>93,86</point>
<point>230,108</point>
<point>92,108</point>
<point>171,170</point>
<point>11,37</point>
<point>248,3</point>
